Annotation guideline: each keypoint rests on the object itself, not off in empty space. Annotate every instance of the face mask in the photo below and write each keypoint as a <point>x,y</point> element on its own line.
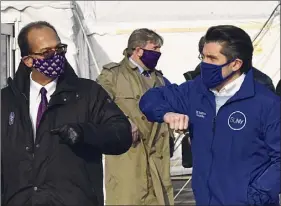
<point>52,67</point>
<point>211,74</point>
<point>150,58</point>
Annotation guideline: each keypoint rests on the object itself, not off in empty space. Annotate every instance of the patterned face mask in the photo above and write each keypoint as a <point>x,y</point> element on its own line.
<point>52,67</point>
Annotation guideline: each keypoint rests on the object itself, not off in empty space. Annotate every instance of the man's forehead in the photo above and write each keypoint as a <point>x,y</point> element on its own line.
<point>42,32</point>
<point>152,44</point>
<point>212,48</point>
<point>43,38</point>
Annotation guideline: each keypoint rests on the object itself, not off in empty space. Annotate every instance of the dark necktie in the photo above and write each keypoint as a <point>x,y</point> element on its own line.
<point>146,73</point>
<point>42,106</point>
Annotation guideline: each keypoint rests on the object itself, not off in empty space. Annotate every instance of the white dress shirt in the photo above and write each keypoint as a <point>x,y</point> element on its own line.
<point>227,91</point>
<point>35,99</point>
<point>141,70</point>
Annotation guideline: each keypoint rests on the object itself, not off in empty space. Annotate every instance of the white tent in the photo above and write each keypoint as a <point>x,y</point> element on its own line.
<point>107,25</point>
<point>97,31</point>
<point>181,23</point>
<point>64,16</point>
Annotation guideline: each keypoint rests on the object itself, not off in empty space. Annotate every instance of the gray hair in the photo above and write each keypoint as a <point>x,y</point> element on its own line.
<point>140,37</point>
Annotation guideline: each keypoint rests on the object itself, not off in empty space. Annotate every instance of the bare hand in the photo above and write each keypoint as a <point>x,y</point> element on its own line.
<point>135,134</point>
<point>176,121</point>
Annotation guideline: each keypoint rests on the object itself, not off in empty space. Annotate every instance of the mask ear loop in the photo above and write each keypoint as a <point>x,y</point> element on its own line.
<point>227,63</point>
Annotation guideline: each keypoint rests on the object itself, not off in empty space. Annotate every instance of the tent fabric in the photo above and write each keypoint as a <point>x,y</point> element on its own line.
<point>61,15</point>
<point>125,11</point>
<point>109,24</point>
<point>21,5</point>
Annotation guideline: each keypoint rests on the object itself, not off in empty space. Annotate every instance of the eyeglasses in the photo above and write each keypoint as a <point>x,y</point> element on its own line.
<point>60,49</point>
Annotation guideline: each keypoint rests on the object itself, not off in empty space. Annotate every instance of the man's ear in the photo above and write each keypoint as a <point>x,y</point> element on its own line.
<point>236,65</point>
<point>28,61</point>
<point>139,51</point>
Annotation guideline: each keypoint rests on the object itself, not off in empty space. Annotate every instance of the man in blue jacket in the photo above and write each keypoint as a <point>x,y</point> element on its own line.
<point>234,121</point>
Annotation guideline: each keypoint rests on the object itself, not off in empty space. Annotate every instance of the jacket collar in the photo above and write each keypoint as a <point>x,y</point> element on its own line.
<point>231,88</point>
<point>127,61</point>
<point>247,89</point>
<point>20,85</point>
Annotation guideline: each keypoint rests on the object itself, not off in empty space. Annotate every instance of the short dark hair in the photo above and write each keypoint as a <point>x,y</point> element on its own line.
<point>201,44</point>
<point>22,37</point>
<point>140,37</point>
<point>235,42</point>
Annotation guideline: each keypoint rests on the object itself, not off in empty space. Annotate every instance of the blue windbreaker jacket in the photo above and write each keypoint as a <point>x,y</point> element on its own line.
<point>236,152</point>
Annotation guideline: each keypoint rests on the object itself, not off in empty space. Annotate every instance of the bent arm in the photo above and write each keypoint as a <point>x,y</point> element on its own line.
<point>109,130</point>
<point>156,102</point>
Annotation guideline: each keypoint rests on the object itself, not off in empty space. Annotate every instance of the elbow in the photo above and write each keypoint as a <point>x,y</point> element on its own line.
<point>153,113</point>
<point>123,139</point>
<point>144,104</point>
<point>123,147</point>
<point>145,109</point>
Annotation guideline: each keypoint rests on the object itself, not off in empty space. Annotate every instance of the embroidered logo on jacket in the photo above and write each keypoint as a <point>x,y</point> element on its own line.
<point>237,120</point>
<point>11,118</point>
<point>200,114</point>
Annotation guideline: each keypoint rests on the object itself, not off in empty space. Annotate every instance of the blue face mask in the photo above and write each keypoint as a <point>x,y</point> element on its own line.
<point>211,74</point>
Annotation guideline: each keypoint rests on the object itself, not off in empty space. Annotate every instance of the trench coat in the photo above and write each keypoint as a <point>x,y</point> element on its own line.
<point>141,176</point>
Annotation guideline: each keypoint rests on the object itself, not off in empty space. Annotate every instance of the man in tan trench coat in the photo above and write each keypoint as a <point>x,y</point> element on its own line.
<point>142,175</point>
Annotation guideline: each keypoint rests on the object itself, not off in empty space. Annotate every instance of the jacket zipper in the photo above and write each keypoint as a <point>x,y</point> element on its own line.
<point>212,156</point>
<point>30,127</point>
<point>30,122</point>
<point>29,118</point>
<point>212,152</point>
<point>37,129</point>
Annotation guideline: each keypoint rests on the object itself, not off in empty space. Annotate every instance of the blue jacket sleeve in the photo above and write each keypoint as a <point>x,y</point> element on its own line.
<point>156,102</point>
<point>269,182</point>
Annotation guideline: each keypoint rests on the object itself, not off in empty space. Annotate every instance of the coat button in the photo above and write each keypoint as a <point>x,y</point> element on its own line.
<point>37,146</point>
<point>163,134</point>
<point>35,188</point>
<point>138,96</point>
<point>64,99</point>
<point>27,148</point>
<point>143,118</point>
